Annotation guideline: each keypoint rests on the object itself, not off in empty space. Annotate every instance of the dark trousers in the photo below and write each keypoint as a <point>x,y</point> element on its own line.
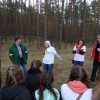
<point>96,65</point>
<point>25,68</point>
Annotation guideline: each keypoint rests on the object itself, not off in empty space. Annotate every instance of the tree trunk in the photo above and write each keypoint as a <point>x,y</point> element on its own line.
<point>25,24</point>
<point>94,33</point>
<point>37,24</point>
<point>0,65</point>
<point>45,20</point>
<point>21,34</point>
<point>29,26</point>
<point>33,23</point>
<point>98,19</point>
<point>84,20</point>
<point>16,6</point>
<point>61,25</point>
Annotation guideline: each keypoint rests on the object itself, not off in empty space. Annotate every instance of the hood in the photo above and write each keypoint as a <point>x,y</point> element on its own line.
<point>10,92</point>
<point>48,42</point>
<point>34,71</point>
<point>77,86</point>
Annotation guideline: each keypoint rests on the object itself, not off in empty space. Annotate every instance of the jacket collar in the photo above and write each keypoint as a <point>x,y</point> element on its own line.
<point>14,44</point>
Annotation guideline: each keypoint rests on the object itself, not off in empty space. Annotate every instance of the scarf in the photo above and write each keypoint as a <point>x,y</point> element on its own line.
<point>79,47</point>
<point>77,86</point>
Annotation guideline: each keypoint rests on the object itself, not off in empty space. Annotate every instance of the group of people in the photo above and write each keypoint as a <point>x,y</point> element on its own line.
<point>36,83</point>
<point>79,52</point>
<point>18,55</point>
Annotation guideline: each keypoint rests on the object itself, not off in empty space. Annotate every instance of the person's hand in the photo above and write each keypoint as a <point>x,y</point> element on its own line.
<point>77,51</point>
<point>98,49</point>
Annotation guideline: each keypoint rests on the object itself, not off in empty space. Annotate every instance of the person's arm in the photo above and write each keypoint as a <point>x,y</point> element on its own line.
<point>11,55</point>
<point>26,53</point>
<point>93,50</point>
<point>74,50</point>
<point>56,54</point>
<point>82,52</point>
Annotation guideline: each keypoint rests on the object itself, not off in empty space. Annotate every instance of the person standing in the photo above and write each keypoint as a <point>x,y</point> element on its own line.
<point>48,59</point>
<point>95,55</point>
<point>79,51</point>
<point>18,54</point>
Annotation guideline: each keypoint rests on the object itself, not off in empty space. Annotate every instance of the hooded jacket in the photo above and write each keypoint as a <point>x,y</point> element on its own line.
<point>68,93</point>
<point>33,79</point>
<point>15,93</point>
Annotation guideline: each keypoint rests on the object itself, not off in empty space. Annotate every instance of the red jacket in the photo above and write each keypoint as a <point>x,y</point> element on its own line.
<point>93,51</point>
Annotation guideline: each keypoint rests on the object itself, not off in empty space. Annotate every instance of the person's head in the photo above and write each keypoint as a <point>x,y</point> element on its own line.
<point>79,74</point>
<point>15,76</point>
<point>18,41</point>
<point>98,38</point>
<point>36,64</point>
<point>47,44</point>
<point>46,80</point>
<point>81,42</point>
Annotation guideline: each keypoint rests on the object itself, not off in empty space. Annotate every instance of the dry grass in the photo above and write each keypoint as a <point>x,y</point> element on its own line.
<point>61,68</point>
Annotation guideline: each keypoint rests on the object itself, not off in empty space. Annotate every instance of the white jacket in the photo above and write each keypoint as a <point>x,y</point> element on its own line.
<point>68,94</point>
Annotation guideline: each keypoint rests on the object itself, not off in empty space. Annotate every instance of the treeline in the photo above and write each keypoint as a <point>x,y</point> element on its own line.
<point>56,20</point>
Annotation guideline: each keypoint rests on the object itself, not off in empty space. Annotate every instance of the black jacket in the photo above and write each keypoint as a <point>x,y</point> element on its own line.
<point>33,79</point>
<point>15,93</point>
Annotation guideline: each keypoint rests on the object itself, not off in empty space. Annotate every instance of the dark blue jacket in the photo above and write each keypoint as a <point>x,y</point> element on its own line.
<point>15,93</point>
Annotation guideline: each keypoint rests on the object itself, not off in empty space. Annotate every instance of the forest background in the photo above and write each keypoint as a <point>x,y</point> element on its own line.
<point>62,22</point>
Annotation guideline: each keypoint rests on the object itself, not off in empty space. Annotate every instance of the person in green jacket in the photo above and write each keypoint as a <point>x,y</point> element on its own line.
<point>18,54</point>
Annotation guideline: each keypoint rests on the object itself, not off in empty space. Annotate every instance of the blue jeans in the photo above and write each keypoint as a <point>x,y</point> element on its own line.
<point>78,63</point>
<point>48,67</point>
<point>25,68</point>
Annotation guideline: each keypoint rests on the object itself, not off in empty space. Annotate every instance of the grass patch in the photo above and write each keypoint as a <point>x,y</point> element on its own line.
<point>61,69</point>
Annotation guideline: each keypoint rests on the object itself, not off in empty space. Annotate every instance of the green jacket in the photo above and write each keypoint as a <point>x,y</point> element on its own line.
<point>14,54</point>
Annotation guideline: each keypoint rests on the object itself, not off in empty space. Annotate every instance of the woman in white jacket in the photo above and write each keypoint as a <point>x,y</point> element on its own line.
<point>48,59</point>
<point>76,85</point>
<point>79,53</point>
